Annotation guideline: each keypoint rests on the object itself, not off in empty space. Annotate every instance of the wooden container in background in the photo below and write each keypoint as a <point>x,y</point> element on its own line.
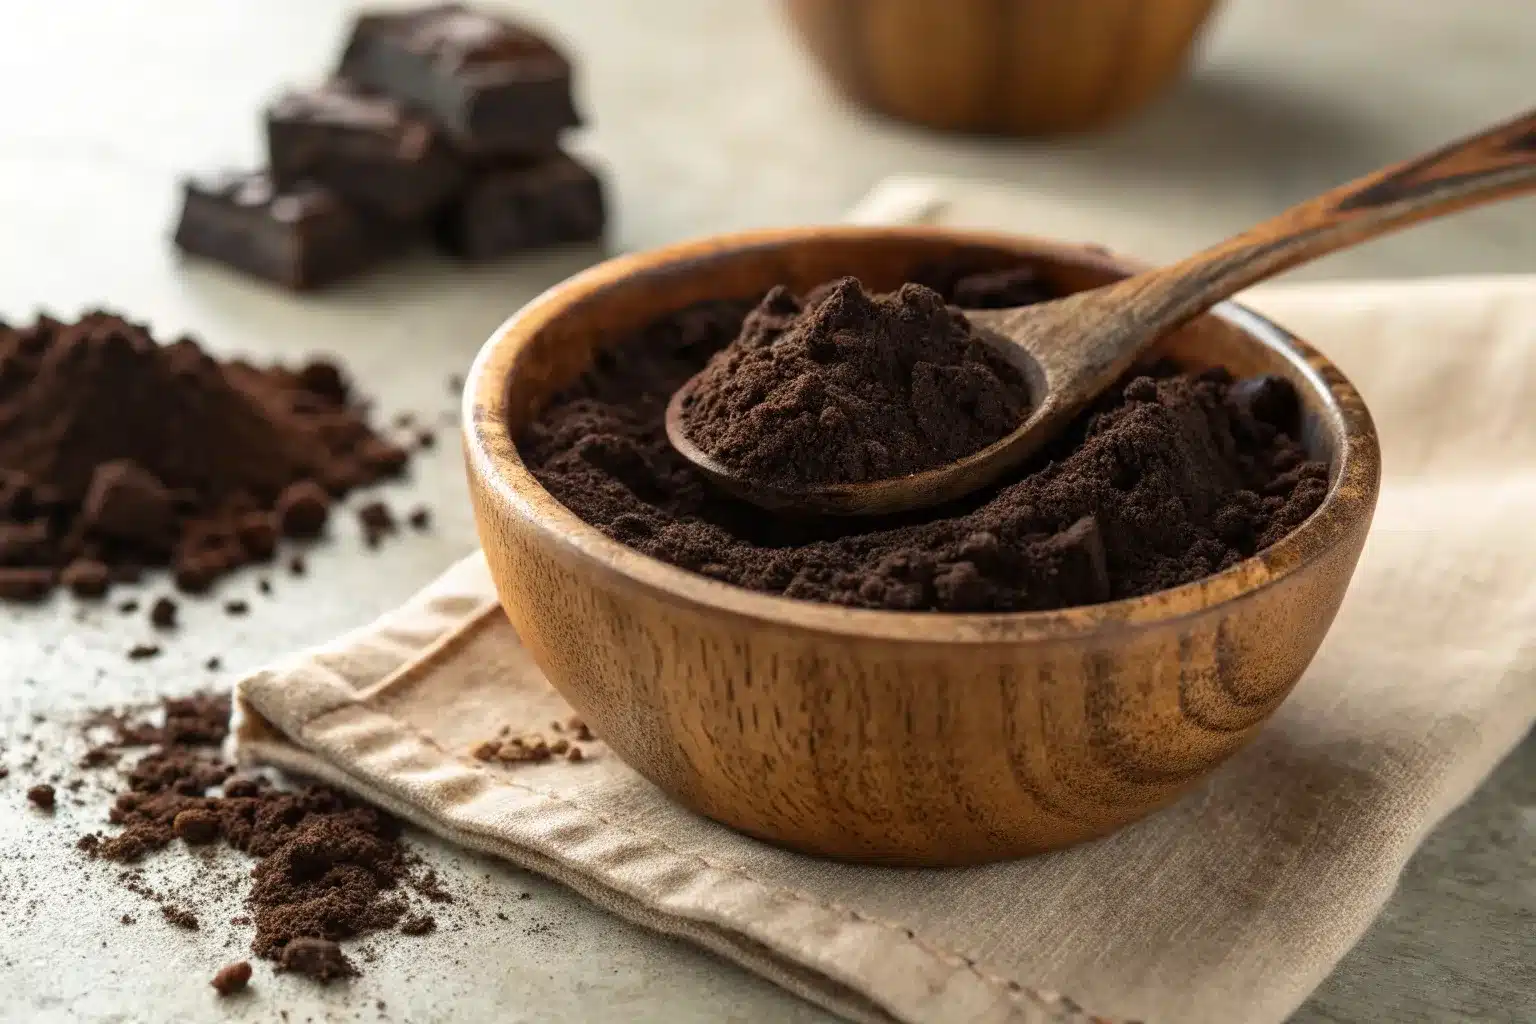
<point>1023,67</point>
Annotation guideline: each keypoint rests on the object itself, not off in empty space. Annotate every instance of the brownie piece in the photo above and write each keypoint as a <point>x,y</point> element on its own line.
<point>302,237</point>
<point>366,148</point>
<point>503,210</point>
<point>494,87</point>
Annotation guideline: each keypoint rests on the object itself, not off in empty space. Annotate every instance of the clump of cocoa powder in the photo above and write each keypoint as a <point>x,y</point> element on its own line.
<point>328,867</point>
<point>118,452</point>
<point>846,386</point>
<point>1170,477</point>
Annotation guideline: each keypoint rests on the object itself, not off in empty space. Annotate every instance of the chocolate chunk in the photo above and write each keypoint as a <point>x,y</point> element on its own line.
<point>508,209</point>
<point>86,577</point>
<point>301,237</point>
<point>494,87</point>
<point>366,148</point>
<point>320,959</point>
<point>302,509</point>
<point>232,979</point>
<point>42,797</point>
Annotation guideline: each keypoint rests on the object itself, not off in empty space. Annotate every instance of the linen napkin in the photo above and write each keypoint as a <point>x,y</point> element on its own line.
<point>1232,905</point>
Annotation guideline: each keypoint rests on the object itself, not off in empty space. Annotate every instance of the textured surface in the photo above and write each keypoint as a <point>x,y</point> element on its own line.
<point>87,166</point>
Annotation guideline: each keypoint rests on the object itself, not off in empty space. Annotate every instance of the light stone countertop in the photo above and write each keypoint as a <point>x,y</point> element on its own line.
<point>707,118</point>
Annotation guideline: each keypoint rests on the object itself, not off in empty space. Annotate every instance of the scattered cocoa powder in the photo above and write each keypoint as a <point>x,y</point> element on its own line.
<point>42,796</point>
<point>508,747</point>
<point>118,452</point>
<point>418,924</point>
<point>320,959</point>
<point>180,917</point>
<point>328,867</point>
<point>232,979</point>
<point>377,521</point>
<point>1170,477</point>
<point>846,386</point>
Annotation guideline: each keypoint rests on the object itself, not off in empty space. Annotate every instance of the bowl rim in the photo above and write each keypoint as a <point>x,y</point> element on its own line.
<point>495,464</point>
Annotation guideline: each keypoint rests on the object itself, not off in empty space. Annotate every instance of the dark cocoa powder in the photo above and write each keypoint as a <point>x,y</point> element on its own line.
<point>846,387</point>
<point>1170,477</point>
<point>118,452</point>
<point>327,868</point>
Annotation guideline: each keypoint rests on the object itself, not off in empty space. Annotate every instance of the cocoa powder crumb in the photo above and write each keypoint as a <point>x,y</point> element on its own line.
<point>303,509</point>
<point>86,577</point>
<point>575,754</point>
<point>378,521</point>
<point>25,585</point>
<point>180,917</point>
<point>127,919</point>
<point>418,924</point>
<point>128,607</point>
<point>163,613</point>
<point>297,566</point>
<point>42,797</point>
<point>196,826</point>
<point>236,607</point>
<point>142,652</point>
<point>320,959</point>
<point>233,978</point>
<point>420,518</point>
<point>214,663</point>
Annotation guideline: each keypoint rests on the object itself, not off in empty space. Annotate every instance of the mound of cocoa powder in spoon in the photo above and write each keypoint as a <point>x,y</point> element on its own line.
<point>846,387</point>
<point>118,453</point>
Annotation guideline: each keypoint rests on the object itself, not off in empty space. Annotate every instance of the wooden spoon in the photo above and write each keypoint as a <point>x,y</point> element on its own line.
<point>1074,348</point>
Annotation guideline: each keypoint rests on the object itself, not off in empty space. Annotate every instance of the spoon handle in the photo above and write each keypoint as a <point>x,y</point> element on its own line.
<point>1493,164</point>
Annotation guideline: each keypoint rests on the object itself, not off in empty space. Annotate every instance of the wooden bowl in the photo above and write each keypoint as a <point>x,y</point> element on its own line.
<point>903,738</point>
<point>1023,67</point>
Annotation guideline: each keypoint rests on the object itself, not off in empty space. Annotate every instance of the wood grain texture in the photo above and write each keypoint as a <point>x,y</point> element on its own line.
<point>1026,67</point>
<point>892,737</point>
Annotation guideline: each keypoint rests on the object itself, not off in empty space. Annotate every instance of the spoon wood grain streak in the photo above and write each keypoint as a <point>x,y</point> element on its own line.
<point>1074,348</point>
